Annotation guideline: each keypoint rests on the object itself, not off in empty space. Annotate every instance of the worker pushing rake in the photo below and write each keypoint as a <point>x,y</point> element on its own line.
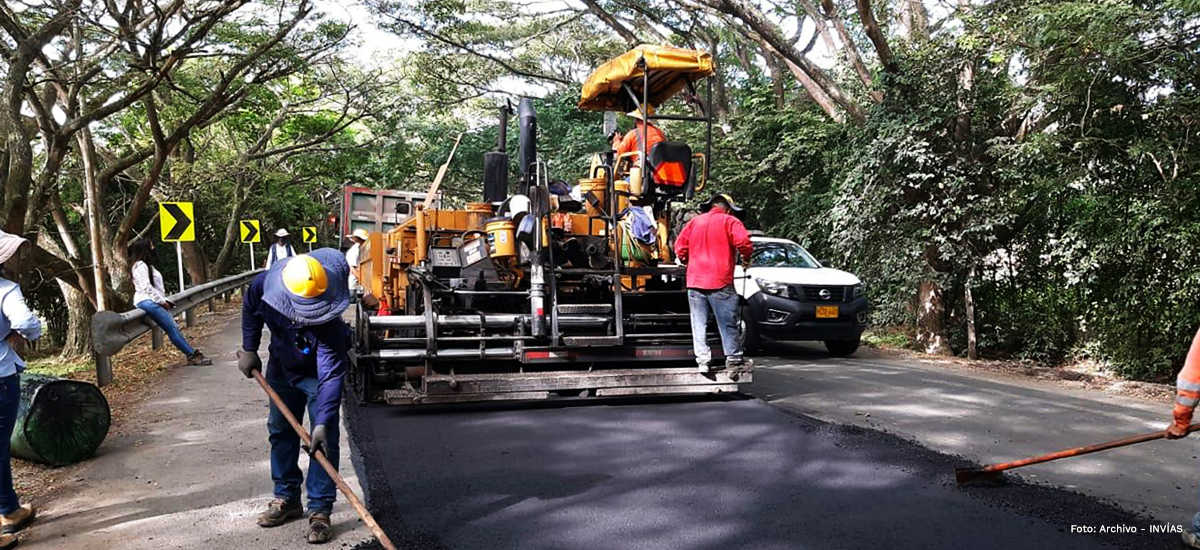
<point>1187,396</point>
<point>301,300</point>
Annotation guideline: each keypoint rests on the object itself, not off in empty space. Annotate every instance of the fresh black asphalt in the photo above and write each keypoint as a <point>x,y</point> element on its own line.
<point>693,474</point>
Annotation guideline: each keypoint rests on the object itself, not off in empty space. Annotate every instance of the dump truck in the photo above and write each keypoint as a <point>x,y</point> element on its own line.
<point>536,291</point>
<point>375,210</point>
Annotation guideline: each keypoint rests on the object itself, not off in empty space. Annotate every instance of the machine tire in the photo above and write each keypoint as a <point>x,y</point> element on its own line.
<point>842,348</point>
<point>751,341</point>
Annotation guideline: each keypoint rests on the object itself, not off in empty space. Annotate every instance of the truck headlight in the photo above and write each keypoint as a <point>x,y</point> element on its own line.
<point>859,290</point>
<point>774,288</point>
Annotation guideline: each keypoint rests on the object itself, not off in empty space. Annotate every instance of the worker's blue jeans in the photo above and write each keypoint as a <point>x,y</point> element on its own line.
<point>164,319</point>
<point>1196,523</point>
<point>10,402</point>
<point>723,304</point>
<point>285,446</point>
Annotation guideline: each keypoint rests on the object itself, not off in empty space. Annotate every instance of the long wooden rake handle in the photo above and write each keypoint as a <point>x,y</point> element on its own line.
<point>963,475</point>
<point>319,456</point>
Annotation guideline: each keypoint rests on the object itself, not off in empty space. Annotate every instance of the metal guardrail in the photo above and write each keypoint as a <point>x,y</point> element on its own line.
<point>112,331</point>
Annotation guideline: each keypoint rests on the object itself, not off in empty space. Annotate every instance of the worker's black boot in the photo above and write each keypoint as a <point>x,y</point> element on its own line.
<point>198,359</point>
<point>279,512</point>
<point>740,363</point>
<point>319,529</point>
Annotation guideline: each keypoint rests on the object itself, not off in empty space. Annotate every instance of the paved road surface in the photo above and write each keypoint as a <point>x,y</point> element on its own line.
<point>992,418</point>
<point>193,474</point>
<point>691,474</point>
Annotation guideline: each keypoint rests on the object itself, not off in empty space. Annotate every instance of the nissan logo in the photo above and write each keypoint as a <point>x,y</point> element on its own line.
<point>824,294</point>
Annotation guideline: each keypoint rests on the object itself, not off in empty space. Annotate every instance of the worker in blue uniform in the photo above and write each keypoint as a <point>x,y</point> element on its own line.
<point>301,300</point>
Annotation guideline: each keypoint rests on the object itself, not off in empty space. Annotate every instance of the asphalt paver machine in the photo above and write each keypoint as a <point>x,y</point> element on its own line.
<point>555,290</point>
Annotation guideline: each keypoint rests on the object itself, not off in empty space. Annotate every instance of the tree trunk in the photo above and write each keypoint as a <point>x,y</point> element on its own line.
<point>229,248</point>
<point>195,263</point>
<point>815,80</point>
<point>871,28</point>
<point>91,193</point>
<point>969,299</point>
<point>931,318</point>
<point>78,340</point>
<point>630,38</point>
<point>776,69</point>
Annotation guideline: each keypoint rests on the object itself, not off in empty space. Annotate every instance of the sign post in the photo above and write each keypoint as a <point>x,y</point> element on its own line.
<point>250,235</point>
<point>310,236</point>
<point>176,222</point>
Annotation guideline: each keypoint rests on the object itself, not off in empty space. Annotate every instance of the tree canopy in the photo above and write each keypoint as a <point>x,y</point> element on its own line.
<point>1010,177</point>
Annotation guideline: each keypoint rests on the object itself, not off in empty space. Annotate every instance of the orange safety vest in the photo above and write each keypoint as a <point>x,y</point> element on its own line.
<point>1187,386</point>
<point>632,141</point>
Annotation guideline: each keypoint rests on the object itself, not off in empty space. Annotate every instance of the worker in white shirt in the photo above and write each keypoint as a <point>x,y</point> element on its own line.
<point>281,249</point>
<point>358,237</point>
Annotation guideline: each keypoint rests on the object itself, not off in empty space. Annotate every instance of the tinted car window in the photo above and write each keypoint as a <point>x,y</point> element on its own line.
<point>781,255</point>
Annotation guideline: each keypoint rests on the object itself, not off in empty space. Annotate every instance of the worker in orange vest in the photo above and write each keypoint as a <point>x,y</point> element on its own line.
<point>1187,396</point>
<point>632,142</point>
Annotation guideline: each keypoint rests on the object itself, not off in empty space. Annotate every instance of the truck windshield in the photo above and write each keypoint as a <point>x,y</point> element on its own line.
<point>781,255</point>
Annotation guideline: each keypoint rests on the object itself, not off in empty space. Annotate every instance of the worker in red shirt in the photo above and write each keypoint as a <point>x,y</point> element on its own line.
<point>1187,395</point>
<point>632,142</point>
<point>709,244</point>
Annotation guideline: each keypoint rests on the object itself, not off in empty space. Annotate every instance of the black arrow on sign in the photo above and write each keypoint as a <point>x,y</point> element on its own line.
<point>310,235</point>
<point>182,221</point>
<point>251,232</point>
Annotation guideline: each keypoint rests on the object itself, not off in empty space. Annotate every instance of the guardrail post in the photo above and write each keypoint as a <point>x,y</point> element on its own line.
<point>156,339</point>
<point>227,295</point>
<point>212,305</point>
<point>189,318</point>
<point>104,372</point>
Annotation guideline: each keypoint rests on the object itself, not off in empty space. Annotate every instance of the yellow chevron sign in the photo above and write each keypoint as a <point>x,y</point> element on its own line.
<point>250,231</point>
<point>176,222</point>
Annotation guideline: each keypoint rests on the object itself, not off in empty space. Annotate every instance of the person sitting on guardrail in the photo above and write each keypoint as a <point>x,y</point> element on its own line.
<point>149,296</point>
<point>301,300</point>
<point>19,325</point>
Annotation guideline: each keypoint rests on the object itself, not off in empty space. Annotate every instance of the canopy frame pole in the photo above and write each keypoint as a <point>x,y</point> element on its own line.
<point>708,127</point>
<point>645,128</point>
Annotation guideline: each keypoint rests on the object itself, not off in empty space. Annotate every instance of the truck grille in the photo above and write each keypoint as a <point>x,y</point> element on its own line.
<point>813,293</point>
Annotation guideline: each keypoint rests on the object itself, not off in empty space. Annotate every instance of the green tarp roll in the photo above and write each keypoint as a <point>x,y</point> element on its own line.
<point>60,422</point>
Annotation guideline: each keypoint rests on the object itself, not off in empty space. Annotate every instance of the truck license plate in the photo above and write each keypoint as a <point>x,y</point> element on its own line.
<point>827,312</point>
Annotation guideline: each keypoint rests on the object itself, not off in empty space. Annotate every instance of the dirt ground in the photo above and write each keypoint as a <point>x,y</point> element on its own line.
<point>135,369</point>
<point>1083,374</point>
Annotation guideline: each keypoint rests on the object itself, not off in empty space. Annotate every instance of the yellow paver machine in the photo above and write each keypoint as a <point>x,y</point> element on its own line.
<point>555,290</point>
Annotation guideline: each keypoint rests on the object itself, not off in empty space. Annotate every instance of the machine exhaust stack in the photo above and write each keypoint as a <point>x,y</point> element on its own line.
<point>527,155</point>
<point>495,164</point>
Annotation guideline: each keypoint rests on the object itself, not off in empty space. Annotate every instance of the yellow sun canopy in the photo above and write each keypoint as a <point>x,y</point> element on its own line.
<point>668,70</point>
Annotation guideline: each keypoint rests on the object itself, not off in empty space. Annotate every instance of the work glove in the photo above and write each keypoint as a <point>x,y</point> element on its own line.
<point>248,362</point>
<point>320,441</point>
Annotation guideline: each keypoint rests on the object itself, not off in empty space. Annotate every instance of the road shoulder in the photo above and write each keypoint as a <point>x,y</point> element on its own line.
<point>191,470</point>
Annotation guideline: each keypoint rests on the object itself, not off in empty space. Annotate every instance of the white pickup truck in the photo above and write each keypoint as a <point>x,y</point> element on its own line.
<point>791,296</point>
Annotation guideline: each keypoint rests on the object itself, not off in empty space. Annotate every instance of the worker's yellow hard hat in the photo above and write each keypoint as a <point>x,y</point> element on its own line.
<point>637,113</point>
<point>305,277</point>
